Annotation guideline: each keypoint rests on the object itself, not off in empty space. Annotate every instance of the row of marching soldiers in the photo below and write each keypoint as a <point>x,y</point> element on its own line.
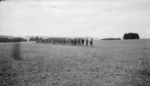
<point>68,41</point>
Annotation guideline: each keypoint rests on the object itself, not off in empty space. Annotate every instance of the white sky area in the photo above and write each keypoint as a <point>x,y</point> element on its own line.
<point>69,18</point>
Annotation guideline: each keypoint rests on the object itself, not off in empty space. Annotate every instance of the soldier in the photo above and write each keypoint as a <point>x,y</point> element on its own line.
<point>72,41</point>
<point>75,41</point>
<point>79,41</point>
<point>91,42</point>
<point>82,40</point>
<point>86,41</point>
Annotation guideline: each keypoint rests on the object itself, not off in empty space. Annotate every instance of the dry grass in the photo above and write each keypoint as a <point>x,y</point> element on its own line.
<point>109,63</point>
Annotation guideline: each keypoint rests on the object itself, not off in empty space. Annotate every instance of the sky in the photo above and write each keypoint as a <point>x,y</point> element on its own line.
<point>71,18</point>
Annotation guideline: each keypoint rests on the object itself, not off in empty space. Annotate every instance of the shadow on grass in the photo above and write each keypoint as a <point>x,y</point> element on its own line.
<point>16,51</point>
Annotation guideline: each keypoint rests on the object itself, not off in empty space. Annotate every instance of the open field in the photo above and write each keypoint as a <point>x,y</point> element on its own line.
<point>108,63</point>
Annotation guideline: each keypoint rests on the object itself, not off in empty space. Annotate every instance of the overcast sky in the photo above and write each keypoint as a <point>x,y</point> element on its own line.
<point>95,18</point>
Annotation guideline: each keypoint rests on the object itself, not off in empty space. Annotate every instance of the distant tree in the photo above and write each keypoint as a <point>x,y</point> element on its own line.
<point>31,39</point>
<point>34,38</point>
<point>131,36</point>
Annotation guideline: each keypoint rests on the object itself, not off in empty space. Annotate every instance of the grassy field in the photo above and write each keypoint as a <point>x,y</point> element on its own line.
<point>108,63</point>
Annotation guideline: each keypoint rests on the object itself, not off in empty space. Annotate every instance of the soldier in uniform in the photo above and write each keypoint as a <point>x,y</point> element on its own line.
<point>91,42</point>
<point>75,41</point>
<point>82,40</point>
<point>86,41</point>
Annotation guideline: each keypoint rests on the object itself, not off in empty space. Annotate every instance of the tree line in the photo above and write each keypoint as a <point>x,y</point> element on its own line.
<point>111,39</point>
<point>3,0</point>
<point>70,41</point>
<point>126,36</point>
<point>12,39</point>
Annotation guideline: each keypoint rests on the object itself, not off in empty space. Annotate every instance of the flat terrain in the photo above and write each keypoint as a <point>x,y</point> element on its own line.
<point>108,63</point>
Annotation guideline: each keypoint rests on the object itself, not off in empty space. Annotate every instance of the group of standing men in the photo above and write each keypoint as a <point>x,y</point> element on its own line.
<point>68,41</point>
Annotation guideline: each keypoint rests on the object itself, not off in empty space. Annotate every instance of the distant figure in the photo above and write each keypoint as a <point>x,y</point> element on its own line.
<point>78,43</point>
<point>86,41</point>
<point>91,42</point>
<point>75,41</point>
<point>82,40</point>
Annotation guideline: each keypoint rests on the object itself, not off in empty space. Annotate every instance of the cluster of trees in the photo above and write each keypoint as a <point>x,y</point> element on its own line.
<point>12,39</point>
<point>131,36</point>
